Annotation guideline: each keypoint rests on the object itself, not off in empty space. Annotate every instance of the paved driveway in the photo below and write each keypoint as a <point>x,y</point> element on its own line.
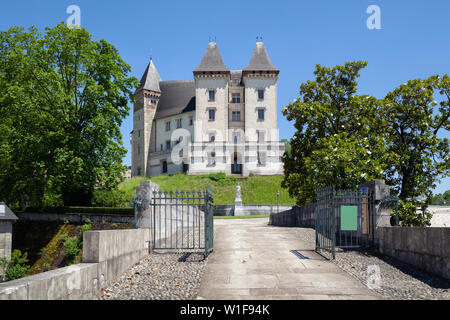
<point>252,260</point>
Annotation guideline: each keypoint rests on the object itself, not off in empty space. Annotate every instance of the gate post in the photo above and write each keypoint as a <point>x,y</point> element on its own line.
<point>378,216</point>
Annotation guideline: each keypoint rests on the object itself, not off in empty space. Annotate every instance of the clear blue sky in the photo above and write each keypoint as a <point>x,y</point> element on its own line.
<point>413,41</point>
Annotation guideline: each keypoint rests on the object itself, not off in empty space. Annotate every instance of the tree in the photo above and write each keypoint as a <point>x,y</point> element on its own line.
<point>63,97</point>
<point>338,141</point>
<point>418,156</point>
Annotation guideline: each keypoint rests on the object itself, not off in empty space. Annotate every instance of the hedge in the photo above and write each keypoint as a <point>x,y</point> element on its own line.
<point>82,210</point>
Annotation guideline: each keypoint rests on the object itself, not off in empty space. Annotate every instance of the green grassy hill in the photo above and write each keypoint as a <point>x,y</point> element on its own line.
<point>255,189</point>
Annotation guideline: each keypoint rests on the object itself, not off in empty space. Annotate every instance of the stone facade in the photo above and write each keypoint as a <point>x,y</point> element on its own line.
<point>222,121</point>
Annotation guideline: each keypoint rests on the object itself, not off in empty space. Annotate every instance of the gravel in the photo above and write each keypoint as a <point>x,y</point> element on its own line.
<point>398,280</point>
<point>160,276</point>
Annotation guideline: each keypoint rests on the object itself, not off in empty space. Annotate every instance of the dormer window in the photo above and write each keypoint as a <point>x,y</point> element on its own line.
<point>211,95</point>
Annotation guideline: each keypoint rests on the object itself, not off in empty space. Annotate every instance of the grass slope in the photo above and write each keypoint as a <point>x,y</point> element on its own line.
<point>256,190</point>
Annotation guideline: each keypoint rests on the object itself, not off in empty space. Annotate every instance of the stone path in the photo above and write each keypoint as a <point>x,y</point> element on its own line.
<point>254,261</point>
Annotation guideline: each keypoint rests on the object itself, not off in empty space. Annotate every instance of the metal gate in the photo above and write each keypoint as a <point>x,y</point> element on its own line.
<point>342,218</point>
<point>183,221</point>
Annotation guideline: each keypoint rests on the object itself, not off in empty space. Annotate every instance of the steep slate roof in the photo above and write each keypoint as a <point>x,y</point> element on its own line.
<point>151,79</point>
<point>6,213</point>
<point>176,97</point>
<point>260,60</point>
<point>212,60</point>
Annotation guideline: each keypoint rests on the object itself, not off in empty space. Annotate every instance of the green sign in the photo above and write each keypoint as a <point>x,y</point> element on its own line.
<point>349,218</point>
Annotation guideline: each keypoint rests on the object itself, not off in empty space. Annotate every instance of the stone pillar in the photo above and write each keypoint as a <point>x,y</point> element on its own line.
<point>379,190</point>
<point>7,218</point>
<point>144,218</point>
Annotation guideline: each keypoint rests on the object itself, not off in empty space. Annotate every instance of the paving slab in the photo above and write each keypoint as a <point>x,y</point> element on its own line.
<point>254,261</point>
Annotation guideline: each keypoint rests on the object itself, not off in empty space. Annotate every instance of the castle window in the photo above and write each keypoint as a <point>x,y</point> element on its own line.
<point>164,166</point>
<point>162,147</point>
<point>138,171</point>
<point>212,114</point>
<point>179,123</point>
<point>236,98</point>
<point>212,137</point>
<point>261,159</point>
<point>261,94</point>
<point>139,133</point>
<point>260,136</point>
<point>191,121</point>
<point>212,95</point>
<point>168,145</point>
<point>168,126</point>
<point>261,114</point>
<point>236,116</point>
<point>212,159</point>
<point>236,137</point>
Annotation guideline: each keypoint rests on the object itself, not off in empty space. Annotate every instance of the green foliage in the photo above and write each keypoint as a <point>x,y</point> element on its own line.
<point>83,210</point>
<point>222,179</point>
<point>85,227</point>
<point>338,139</point>
<point>255,189</point>
<point>109,198</point>
<point>408,215</point>
<point>63,97</point>
<point>343,139</point>
<point>16,267</point>
<point>72,246</point>
<point>441,198</point>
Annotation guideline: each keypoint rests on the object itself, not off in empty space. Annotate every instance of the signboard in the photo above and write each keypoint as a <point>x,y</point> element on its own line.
<point>349,218</point>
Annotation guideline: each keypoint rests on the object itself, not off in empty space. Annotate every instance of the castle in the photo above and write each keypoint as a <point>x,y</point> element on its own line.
<point>222,121</point>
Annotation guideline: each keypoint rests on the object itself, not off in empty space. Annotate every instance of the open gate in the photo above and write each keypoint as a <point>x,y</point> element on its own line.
<point>183,221</point>
<point>342,218</point>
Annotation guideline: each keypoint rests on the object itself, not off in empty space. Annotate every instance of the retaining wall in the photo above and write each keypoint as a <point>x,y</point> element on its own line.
<point>294,217</point>
<point>425,248</point>
<point>106,255</point>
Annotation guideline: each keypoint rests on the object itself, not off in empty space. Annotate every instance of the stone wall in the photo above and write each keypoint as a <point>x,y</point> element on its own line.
<point>75,217</point>
<point>425,248</point>
<point>106,255</point>
<point>295,217</point>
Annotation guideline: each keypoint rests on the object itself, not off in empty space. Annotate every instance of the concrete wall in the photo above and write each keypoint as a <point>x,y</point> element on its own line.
<point>106,255</point>
<point>75,218</point>
<point>295,217</point>
<point>425,248</point>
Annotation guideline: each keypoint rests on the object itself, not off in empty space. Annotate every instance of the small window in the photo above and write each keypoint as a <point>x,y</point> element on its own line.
<point>212,137</point>
<point>168,126</point>
<point>162,147</point>
<point>261,158</point>
<point>212,159</point>
<point>236,137</point>
<point>212,114</point>
<point>260,136</point>
<point>236,98</point>
<point>179,123</point>
<point>236,116</point>
<point>261,94</point>
<point>164,166</point>
<point>191,121</point>
<point>212,95</point>
<point>261,114</point>
<point>168,145</point>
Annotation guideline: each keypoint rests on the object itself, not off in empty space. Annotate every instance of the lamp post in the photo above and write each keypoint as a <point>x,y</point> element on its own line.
<point>278,196</point>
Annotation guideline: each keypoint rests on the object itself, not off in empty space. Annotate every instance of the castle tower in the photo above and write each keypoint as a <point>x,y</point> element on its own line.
<point>147,98</point>
<point>211,90</point>
<point>260,79</point>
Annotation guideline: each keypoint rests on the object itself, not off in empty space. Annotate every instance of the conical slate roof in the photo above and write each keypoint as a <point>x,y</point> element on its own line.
<point>151,79</point>
<point>212,60</point>
<point>260,60</point>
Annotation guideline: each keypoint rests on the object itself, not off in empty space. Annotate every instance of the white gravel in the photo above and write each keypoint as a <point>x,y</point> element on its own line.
<point>159,277</point>
<point>398,280</point>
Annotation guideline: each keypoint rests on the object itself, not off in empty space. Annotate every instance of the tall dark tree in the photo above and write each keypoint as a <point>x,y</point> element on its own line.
<point>63,97</point>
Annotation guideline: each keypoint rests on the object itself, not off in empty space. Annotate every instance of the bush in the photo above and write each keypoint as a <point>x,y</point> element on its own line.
<point>408,216</point>
<point>82,210</point>
<point>73,247</point>
<point>221,178</point>
<point>106,198</point>
<point>16,267</point>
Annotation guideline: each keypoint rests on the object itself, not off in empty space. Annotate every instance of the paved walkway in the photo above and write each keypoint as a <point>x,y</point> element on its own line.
<point>252,260</point>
